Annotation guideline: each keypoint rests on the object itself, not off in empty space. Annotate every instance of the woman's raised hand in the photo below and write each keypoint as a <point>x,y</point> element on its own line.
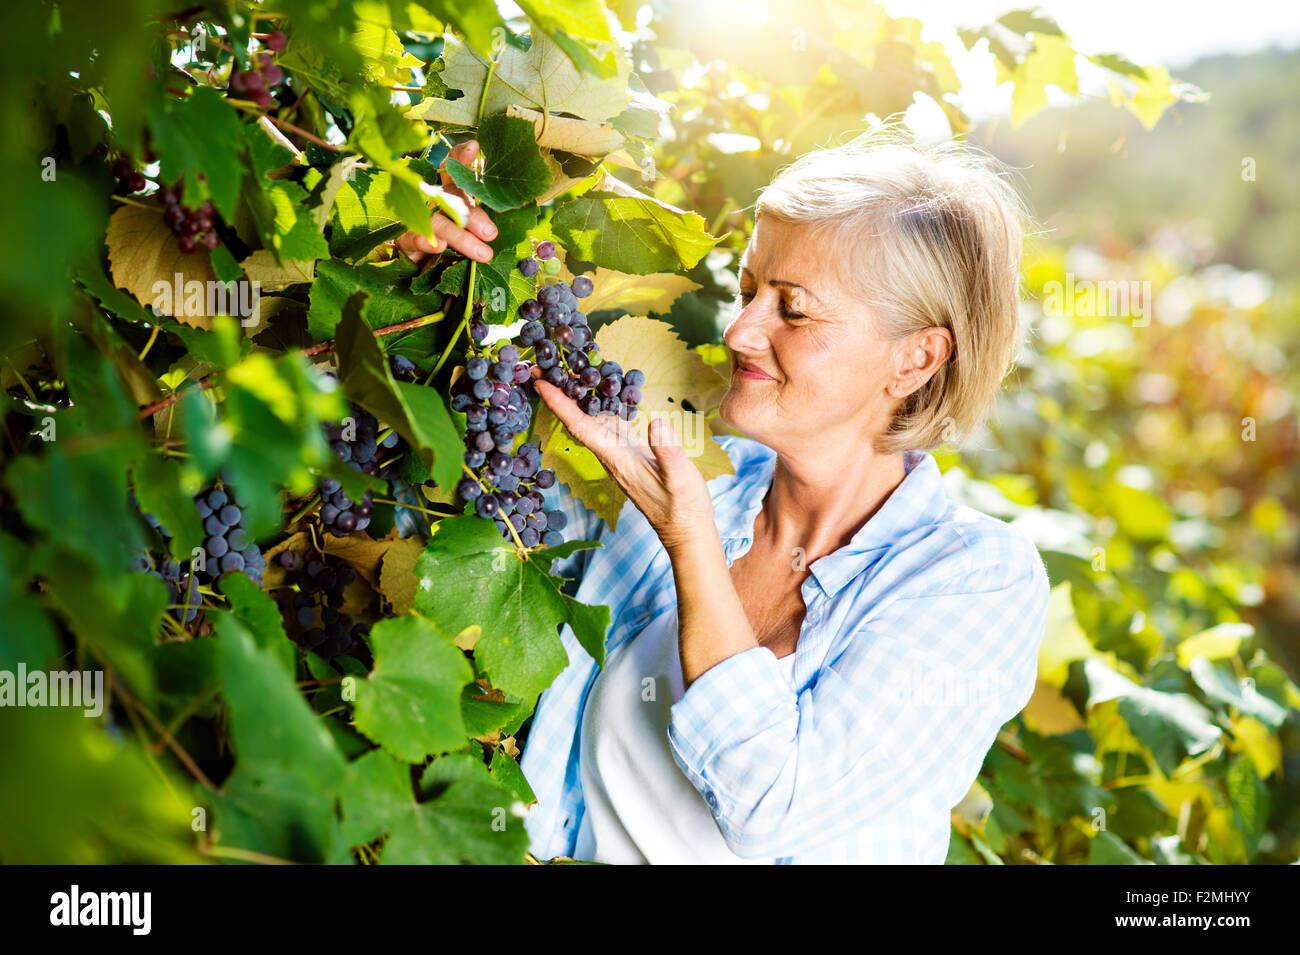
<point>659,478</point>
<point>470,241</point>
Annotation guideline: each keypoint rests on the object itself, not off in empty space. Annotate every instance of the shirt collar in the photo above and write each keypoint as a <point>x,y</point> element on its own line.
<point>918,500</point>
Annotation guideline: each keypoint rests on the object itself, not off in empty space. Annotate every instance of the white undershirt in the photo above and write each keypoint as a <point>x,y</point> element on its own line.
<point>640,808</point>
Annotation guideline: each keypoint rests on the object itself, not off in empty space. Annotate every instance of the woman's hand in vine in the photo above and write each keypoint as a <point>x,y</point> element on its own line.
<point>470,241</point>
<point>658,477</point>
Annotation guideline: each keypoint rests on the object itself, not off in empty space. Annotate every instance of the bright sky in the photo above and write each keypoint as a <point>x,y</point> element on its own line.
<point>1146,31</point>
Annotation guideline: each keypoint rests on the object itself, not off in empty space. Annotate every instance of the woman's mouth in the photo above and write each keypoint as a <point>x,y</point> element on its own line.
<point>744,370</point>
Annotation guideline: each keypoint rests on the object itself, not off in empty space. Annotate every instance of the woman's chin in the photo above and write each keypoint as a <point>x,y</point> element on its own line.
<point>742,412</point>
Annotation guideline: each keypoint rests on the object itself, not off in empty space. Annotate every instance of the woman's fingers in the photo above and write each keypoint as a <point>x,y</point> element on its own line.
<point>453,236</point>
<point>470,241</point>
<point>418,247</point>
<point>466,153</point>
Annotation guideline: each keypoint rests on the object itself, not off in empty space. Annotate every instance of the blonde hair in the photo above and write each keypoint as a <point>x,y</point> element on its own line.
<point>948,230</point>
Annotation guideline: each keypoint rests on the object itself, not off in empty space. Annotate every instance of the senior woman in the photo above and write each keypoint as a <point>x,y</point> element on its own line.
<point>809,659</point>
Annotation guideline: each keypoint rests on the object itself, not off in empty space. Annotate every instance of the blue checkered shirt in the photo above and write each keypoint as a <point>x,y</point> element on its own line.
<point>919,641</point>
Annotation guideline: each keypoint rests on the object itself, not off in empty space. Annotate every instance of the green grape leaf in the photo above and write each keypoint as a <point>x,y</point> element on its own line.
<point>415,412</point>
<point>485,715</point>
<point>507,774</point>
<point>628,234</point>
<point>1218,684</point>
<point>388,301</point>
<point>1109,849</point>
<point>469,821</point>
<point>513,173</point>
<point>361,218</point>
<point>470,576</point>
<point>410,702</point>
<point>193,137</point>
<point>542,77</point>
<point>260,616</point>
<point>1250,803</point>
<point>1172,726</point>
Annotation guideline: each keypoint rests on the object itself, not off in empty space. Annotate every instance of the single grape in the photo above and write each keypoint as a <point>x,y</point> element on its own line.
<point>552,266</point>
<point>486,505</point>
<point>276,41</point>
<point>635,378</point>
<point>476,368</point>
<point>468,489</point>
<point>346,522</point>
<point>545,250</point>
<point>289,559</point>
<point>583,286</point>
<point>528,267</point>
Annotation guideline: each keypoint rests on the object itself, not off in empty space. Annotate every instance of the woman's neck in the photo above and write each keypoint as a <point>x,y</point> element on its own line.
<point>819,501</point>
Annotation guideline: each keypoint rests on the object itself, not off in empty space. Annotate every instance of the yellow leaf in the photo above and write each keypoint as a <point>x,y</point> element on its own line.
<point>397,573</point>
<point>145,260</point>
<point>1064,640</point>
<point>673,373</point>
<point>261,267</point>
<point>1216,643</point>
<point>1154,95</point>
<point>274,576</point>
<point>1254,739</point>
<point>636,294</point>
<point>1027,98</point>
<point>1049,712</point>
<point>560,182</point>
<point>361,551</point>
<point>582,137</point>
<point>1052,61</point>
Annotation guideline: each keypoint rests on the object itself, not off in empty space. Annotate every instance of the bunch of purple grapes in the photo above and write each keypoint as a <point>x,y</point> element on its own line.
<point>565,350</point>
<point>128,177</point>
<point>190,226</point>
<point>182,589</point>
<point>495,395</point>
<point>359,446</point>
<point>323,627</point>
<point>504,484</point>
<point>227,544</point>
<point>258,82</point>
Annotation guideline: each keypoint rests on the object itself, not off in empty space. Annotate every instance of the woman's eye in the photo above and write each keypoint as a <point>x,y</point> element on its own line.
<point>745,297</point>
<point>788,312</point>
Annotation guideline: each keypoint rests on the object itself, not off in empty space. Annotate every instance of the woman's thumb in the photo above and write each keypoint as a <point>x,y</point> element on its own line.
<point>667,449</point>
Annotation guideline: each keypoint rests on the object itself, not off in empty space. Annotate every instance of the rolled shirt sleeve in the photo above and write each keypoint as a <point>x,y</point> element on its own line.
<point>909,705</point>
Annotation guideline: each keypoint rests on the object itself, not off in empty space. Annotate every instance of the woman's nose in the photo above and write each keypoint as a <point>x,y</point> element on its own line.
<point>745,331</point>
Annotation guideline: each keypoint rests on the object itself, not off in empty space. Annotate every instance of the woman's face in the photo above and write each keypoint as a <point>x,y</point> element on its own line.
<point>807,364</point>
